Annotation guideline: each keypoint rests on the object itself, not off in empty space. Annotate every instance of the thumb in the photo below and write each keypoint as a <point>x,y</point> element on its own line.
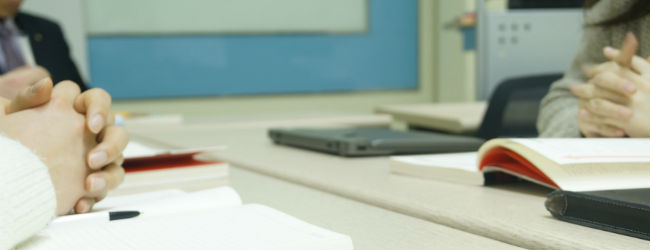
<point>32,96</point>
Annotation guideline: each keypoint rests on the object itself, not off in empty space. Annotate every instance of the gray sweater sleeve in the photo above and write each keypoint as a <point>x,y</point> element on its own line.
<point>559,108</point>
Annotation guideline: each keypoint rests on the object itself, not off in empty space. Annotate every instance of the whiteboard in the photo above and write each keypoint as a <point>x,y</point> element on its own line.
<point>142,17</point>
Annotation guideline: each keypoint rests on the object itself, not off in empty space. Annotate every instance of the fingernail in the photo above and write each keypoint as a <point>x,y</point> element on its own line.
<point>96,123</point>
<point>625,112</point>
<point>629,87</point>
<point>36,87</point>
<point>583,113</point>
<point>97,184</point>
<point>98,159</point>
<point>620,133</point>
<point>609,50</point>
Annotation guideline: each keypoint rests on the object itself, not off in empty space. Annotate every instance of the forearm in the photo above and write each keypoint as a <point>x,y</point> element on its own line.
<point>27,197</point>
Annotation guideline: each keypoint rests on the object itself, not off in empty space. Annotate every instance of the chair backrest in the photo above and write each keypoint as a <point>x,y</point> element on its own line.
<point>545,4</point>
<point>514,106</point>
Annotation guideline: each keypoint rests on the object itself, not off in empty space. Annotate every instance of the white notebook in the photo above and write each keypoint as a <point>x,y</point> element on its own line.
<point>452,167</point>
<point>172,219</point>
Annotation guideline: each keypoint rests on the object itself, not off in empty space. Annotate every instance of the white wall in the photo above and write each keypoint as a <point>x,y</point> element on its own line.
<point>456,68</point>
<point>451,75</point>
<point>69,15</point>
<point>111,17</point>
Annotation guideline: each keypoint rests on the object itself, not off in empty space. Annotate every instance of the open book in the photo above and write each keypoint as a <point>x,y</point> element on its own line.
<point>147,167</point>
<point>172,219</point>
<point>571,164</point>
<point>567,164</point>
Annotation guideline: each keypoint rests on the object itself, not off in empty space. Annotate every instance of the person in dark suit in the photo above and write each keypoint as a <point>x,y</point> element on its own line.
<point>49,47</point>
<point>31,48</point>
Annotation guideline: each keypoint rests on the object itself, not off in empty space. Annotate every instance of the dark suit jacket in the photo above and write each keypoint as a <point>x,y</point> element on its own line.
<point>49,48</point>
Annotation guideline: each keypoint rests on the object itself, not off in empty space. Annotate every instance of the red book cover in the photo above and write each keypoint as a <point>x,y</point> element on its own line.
<point>163,161</point>
<point>503,158</point>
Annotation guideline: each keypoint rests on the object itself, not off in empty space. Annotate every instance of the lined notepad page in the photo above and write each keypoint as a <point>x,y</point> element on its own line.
<point>244,227</point>
<point>135,199</point>
<point>171,219</point>
<point>167,202</point>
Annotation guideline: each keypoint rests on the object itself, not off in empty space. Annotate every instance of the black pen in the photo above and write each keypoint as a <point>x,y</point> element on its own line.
<point>97,217</point>
<point>120,215</point>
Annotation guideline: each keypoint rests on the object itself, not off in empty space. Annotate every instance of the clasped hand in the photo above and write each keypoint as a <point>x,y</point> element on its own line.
<point>74,136</point>
<point>615,102</point>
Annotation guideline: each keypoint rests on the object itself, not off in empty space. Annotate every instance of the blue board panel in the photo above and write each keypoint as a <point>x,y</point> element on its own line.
<point>385,57</point>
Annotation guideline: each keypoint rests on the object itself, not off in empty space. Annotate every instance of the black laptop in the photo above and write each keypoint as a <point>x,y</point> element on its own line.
<point>373,141</point>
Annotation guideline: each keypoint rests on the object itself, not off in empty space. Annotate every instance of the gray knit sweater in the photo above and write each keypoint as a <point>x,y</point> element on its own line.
<point>558,111</point>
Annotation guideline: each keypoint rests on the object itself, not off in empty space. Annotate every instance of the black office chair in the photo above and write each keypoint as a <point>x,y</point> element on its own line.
<point>514,106</point>
<point>545,4</point>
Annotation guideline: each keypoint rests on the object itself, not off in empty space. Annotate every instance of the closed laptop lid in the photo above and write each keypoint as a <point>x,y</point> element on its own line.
<point>374,141</point>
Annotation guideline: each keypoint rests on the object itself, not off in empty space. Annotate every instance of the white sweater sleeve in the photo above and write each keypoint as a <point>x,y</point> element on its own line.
<point>27,197</point>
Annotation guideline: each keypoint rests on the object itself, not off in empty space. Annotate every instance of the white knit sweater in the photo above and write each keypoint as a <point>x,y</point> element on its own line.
<point>27,197</point>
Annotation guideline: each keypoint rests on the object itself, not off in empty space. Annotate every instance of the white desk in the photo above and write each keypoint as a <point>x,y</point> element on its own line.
<point>514,214</point>
<point>370,227</point>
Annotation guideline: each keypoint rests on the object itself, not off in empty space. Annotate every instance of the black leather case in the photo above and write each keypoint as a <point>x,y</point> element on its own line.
<point>620,211</point>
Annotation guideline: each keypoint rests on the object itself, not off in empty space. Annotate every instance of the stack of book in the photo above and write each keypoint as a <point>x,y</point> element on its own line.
<point>148,168</point>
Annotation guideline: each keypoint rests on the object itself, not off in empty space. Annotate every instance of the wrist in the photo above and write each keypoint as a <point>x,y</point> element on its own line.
<point>28,201</point>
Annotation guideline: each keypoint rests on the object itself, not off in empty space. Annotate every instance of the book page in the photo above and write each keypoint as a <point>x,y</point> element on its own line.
<point>590,150</point>
<point>462,161</point>
<point>242,227</point>
<point>454,167</point>
<point>584,164</point>
<point>136,149</point>
<point>165,202</point>
<point>135,199</point>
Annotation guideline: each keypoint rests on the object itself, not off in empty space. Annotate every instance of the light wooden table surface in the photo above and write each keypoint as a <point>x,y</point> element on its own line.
<point>513,214</point>
<point>370,227</point>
